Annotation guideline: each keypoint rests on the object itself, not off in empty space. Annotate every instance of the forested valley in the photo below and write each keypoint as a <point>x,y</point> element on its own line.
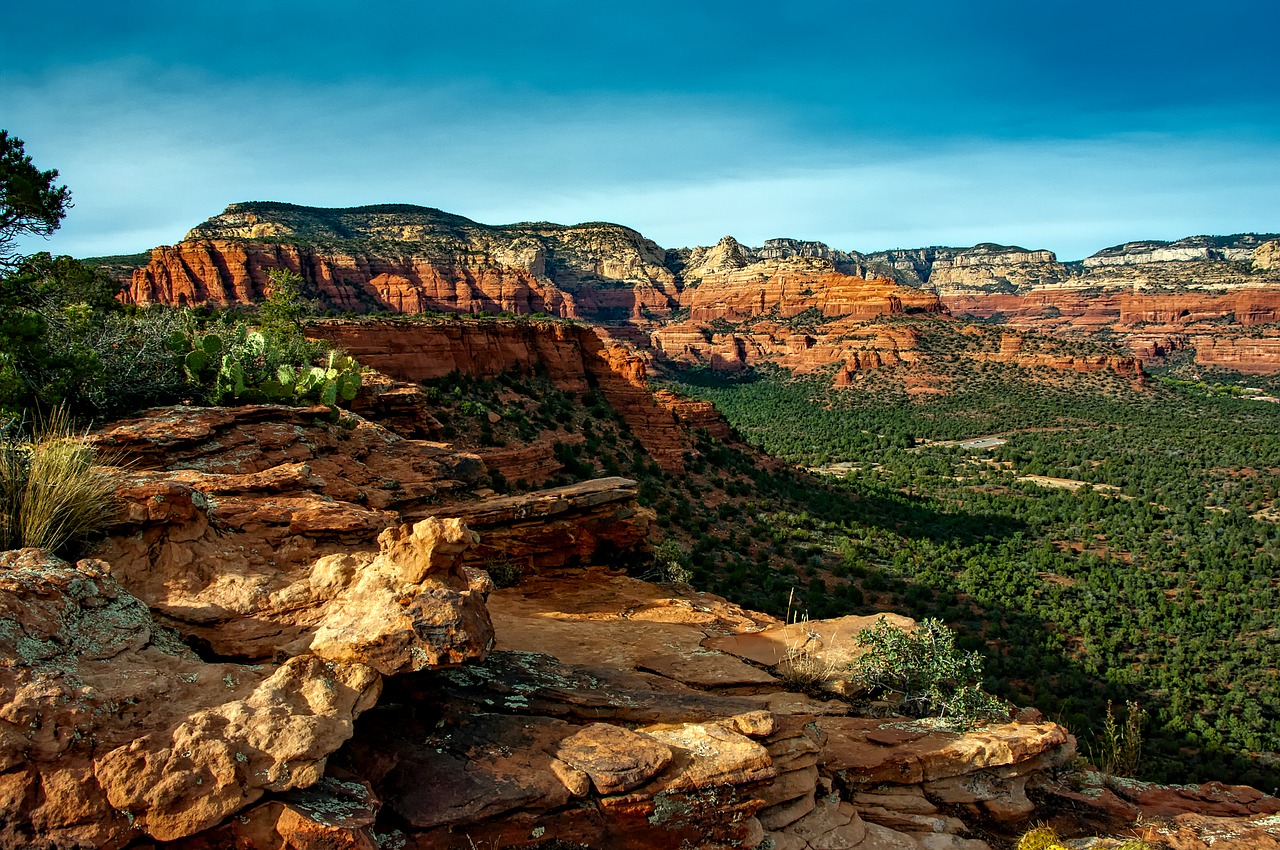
<point>1106,543</point>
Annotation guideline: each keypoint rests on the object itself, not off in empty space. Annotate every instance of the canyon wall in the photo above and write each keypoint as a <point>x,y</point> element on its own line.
<point>410,260</point>
<point>730,305</point>
<point>575,357</point>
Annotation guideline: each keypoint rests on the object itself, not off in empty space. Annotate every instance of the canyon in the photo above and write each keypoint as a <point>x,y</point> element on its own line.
<point>797,304</point>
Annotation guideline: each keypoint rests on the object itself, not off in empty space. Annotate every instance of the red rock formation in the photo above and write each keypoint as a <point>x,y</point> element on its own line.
<point>226,273</point>
<point>113,730</point>
<point>1151,325</point>
<point>574,357</point>
<point>1241,353</point>
<point>790,287</point>
<point>610,711</point>
<point>411,260</point>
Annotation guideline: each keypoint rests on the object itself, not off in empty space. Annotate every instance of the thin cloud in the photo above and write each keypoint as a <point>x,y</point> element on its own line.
<point>150,151</point>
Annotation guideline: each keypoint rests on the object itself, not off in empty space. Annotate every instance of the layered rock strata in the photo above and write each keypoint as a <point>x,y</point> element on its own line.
<point>418,260</point>
<point>575,358</point>
<point>410,260</point>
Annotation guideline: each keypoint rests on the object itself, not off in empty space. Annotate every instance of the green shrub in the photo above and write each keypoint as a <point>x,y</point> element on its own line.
<point>53,491</point>
<point>237,365</point>
<point>924,667</point>
<point>671,563</point>
<point>504,572</point>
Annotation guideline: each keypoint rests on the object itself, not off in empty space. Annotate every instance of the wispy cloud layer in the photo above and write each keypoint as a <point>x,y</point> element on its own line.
<point>832,122</point>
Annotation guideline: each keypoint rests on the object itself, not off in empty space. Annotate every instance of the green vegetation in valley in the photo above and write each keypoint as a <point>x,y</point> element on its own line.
<point>1148,571</point>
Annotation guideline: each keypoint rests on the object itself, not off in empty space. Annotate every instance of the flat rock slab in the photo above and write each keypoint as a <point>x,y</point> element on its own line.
<point>830,641</point>
<point>615,758</point>
<point>489,765</point>
<point>596,618</point>
<point>707,755</point>
<point>853,749</point>
<point>534,683</point>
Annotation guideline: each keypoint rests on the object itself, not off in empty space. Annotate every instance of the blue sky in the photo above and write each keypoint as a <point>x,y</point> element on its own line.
<point>1068,126</point>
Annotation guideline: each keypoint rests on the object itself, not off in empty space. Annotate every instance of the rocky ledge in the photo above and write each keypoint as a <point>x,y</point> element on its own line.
<point>289,643</point>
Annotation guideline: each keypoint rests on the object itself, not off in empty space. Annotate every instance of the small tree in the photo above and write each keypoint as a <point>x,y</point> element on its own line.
<point>671,561</point>
<point>283,311</point>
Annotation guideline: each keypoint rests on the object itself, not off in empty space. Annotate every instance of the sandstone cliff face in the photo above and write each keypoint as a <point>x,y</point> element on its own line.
<point>1237,248</point>
<point>790,287</point>
<point>411,260</point>
<point>414,260</point>
<point>575,358</point>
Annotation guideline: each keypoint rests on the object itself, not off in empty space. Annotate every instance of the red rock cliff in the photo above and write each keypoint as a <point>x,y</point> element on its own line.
<point>575,357</point>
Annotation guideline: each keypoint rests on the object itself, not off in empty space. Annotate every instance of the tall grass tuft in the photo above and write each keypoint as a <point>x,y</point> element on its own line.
<point>54,491</point>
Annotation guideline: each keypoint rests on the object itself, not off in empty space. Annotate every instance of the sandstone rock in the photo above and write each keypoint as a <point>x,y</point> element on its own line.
<point>409,608</point>
<point>1009,748</point>
<point>112,727</point>
<point>577,781</point>
<point>830,643</point>
<point>909,799</point>
<point>616,759</point>
<point>790,785</point>
<point>1201,832</point>
<point>646,630</point>
<point>574,358</point>
<point>780,815</point>
<point>794,285</point>
<point>830,826</point>
<point>943,841</point>
<point>1267,255</point>
<point>330,815</point>
<point>882,838</point>
<point>184,779</point>
<point>557,526</point>
<point>1004,799</point>
<point>442,263</point>
<point>911,823</point>
<point>710,754</point>
<point>258,540</point>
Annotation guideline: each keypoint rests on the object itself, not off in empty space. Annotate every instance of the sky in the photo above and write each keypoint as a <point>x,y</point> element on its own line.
<point>866,125</point>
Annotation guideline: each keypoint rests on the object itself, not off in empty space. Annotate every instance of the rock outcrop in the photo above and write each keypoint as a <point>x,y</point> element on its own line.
<point>676,303</point>
<point>112,728</point>
<point>574,357</point>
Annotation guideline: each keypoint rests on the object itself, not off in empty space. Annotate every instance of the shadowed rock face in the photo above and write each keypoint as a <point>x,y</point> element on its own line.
<point>575,358</point>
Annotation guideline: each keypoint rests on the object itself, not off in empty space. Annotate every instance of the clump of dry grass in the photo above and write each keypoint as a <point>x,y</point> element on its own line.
<point>804,668</point>
<point>1045,838</point>
<point>55,491</point>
